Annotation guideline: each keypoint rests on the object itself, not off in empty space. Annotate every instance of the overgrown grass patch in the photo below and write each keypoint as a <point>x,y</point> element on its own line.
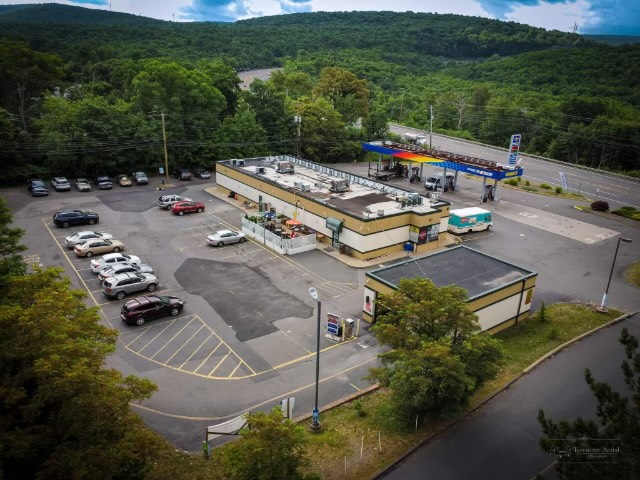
<point>632,274</point>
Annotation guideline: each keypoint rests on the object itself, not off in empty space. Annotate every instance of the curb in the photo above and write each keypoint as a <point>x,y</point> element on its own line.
<point>339,402</point>
<point>528,369</point>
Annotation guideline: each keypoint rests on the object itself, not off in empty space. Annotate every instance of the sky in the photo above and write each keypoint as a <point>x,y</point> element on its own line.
<point>612,17</point>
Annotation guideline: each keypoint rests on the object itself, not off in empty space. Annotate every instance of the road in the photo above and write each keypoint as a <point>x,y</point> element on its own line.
<point>500,440</point>
<point>616,190</point>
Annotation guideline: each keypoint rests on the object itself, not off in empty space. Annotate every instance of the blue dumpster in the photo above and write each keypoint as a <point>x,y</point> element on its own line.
<point>408,246</point>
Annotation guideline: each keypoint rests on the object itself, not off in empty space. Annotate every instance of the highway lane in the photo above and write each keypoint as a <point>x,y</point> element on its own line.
<point>617,190</point>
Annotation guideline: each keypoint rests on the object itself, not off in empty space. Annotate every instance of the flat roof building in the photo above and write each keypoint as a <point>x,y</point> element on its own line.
<point>500,292</point>
<point>362,217</point>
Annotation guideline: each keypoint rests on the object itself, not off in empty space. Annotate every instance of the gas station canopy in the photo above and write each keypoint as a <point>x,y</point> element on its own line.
<point>447,160</point>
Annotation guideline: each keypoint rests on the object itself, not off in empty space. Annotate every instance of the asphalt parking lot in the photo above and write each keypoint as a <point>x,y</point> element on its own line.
<point>247,331</point>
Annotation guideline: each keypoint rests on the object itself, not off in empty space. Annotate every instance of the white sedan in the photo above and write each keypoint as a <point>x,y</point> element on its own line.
<point>111,259</point>
<point>223,237</point>
<point>81,237</point>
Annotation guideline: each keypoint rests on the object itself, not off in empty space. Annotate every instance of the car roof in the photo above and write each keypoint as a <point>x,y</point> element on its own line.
<point>220,232</point>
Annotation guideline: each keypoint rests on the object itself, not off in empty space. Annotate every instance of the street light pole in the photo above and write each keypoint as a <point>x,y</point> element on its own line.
<point>315,418</point>
<point>603,306</point>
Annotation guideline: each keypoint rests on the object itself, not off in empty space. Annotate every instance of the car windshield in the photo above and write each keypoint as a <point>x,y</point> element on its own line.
<point>164,300</point>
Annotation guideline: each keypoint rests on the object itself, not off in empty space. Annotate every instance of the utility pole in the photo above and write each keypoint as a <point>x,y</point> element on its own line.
<point>166,155</point>
<point>298,120</point>
<point>430,124</point>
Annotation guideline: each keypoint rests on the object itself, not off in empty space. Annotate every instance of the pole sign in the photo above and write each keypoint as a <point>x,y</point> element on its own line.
<point>514,148</point>
<point>563,179</point>
<point>333,323</point>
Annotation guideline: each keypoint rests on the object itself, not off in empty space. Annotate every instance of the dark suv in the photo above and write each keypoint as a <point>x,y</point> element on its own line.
<point>75,217</point>
<point>143,309</point>
<point>37,187</point>
<point>103,181</point>
<point>182,174</point>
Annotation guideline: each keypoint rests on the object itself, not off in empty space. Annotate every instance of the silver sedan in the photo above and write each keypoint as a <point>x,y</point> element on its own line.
<point>223,237</point>
<point>81,237</point>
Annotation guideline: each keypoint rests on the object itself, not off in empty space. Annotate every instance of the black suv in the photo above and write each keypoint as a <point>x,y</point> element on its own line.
<point>103,181</point>
<point>37,187</point>
<point>182,174</point>
<point>75,217</point>
<point>143,309</point>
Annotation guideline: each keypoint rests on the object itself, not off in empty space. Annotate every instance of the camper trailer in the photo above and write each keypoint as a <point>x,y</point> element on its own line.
<point>467,220</point>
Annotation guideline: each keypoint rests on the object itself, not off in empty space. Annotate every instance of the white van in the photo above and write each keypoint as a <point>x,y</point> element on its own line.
<point>435,182</point>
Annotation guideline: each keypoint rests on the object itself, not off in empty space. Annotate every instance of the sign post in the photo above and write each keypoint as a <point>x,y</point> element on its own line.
<point>563,179</point>
<point>514,148</point>
<point>333,324</point>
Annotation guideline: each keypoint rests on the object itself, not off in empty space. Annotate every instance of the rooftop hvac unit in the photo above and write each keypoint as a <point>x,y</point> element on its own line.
<point>284,167</point>
<point>260,170</point>
<point>297,185</point>
<point>240,163</point>
<point>381,212</point>
<point>339,186</point>
<point>306,187</point>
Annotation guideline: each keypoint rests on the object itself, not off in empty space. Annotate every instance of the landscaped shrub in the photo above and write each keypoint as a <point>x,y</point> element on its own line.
<point>600,206</point>
<point>519,179</point>
<point>512,181</point>
<point>546,186</point>
<point>527,183</point>
<point>558,189</point>
<point>530,189</point>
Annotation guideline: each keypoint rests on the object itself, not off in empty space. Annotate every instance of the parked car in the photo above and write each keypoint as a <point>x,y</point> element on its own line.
<point>180,208</point>
<point>81,237</point>
<point>166,201</point>
<point>103,182</point>
<point>121,285</point>
<point>140,178</point>
<point>202,173</point>
<point>96,247</point>
<point>119,268</point>
<point>37,187</point>
<point>99,264</point>
<point>149,307</point>
<point>223,237</point>
<point>124,181</point>
<point>75,217</point>
<point>61,184</point>
<point>182,174</point>
<point>83,185</point>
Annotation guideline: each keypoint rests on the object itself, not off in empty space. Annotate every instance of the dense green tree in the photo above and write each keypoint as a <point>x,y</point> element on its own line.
<point>270,448</point>
<point>24,75</point>
<point>271,112</point>
<point>90,134</point>
<point>347,93</point>
<point>438,358</point>
<point>376,124</point>
<point>225,79</point>
<point>322,129</point>
<point>192,105</point>
<point>11,263</point>
<point>617,428</point>
<point>64,415</point>
<point>241,135</point>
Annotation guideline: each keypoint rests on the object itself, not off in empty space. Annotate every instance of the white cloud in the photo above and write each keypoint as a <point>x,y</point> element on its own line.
<point>460,7</point>
<point>556,16</point>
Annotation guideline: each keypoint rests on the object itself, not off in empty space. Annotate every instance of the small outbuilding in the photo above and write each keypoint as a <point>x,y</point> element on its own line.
<point>500,293</point>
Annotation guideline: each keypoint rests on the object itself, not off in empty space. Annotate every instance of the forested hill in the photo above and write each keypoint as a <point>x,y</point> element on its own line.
<point>263,42</point>
<point>47,14</point>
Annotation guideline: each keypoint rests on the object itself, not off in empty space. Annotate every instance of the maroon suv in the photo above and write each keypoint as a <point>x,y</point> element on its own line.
<point>180,208</point>
<point>149,307</point>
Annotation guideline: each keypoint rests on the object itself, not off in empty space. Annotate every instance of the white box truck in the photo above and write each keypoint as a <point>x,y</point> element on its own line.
<point>416,138</point>
<point>467,220</point>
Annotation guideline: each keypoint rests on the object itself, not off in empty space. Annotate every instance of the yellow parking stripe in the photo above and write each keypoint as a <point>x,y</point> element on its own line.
<point>174,336</point>
<point>150,341</point>
<point>184,344</point>
<point>219,363</point>
<point>195,351</point>
<point>208,356</point>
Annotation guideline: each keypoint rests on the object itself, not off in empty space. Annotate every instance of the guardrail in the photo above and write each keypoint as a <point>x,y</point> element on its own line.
<point>537,157</point>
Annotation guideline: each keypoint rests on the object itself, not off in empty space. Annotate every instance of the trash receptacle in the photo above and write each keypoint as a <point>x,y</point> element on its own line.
<point>408,246</point>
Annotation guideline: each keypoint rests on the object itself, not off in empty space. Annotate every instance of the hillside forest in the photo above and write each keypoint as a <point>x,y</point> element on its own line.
<point>83,91</point>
